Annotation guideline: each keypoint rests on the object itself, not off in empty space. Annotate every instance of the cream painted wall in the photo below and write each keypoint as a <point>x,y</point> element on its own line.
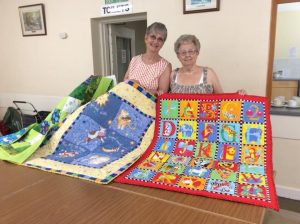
<point>235,43</point>
<point>46,65</point>
<point>286,35</point>
<point>232,43</point>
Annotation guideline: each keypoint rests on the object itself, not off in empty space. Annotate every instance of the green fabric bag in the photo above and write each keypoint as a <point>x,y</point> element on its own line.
<point>19,146</point>
<point>12,119</point>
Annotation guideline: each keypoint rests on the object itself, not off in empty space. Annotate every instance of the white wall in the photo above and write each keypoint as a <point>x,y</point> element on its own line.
<point>232,43</point>
<point>286,36</point>
<point>235,42</point>
<point>45,65</point>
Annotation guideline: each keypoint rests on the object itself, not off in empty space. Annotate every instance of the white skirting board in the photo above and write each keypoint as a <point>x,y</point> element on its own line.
<point>40,102</point>
<point>288,192</point>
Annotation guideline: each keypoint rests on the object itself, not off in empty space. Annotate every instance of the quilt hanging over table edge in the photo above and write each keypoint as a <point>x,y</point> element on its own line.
<point>233,113</point>
<point>129,92</point>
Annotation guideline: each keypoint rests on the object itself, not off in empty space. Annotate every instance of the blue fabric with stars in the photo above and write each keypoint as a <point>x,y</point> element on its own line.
<point>102,133</point>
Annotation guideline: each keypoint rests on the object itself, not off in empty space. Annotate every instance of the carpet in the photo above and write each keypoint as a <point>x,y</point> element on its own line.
<point>102,138</point>
<point>214,145</point>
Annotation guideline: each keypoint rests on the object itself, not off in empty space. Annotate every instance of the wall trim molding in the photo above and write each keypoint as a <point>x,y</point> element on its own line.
<point>288,192</point>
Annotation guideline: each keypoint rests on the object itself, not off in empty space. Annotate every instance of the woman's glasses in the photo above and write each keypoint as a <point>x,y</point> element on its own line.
<point>158,39</point>
<point>191,52</point>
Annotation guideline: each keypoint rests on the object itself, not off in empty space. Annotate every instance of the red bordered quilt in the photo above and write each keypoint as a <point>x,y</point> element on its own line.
<point>216,145</point>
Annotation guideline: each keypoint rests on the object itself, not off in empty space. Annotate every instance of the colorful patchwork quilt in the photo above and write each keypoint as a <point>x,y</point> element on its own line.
<point>103,138</point>
<point>215,145</point>
<point>19,146</point>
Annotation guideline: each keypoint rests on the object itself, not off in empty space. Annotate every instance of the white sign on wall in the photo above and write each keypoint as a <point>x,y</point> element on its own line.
<point>116,9</point>
<point>123,56</point>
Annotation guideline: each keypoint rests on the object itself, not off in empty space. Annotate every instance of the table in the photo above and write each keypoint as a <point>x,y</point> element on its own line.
<point>29,195</point>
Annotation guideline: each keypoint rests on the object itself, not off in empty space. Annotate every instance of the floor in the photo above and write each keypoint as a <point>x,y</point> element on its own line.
<point>289,213</point>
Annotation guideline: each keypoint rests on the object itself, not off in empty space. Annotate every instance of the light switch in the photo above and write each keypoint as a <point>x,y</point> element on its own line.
<point>63,35</point>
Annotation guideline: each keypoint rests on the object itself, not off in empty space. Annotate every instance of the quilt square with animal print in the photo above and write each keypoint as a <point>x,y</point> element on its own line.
<point>102,138</point>
<point>215,145</point>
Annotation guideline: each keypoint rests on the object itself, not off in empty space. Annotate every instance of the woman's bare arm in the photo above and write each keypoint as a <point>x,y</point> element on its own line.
<point>164,80</point>
<point>213,79</point>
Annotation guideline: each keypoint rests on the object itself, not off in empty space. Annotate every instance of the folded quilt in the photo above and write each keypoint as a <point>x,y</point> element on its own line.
<point>19,146</point>
<point>102,138</point>
<point>215,145</point>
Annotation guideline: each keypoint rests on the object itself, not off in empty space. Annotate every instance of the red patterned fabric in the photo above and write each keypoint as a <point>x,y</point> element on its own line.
<point>148,75</point>
<point>214,145</point>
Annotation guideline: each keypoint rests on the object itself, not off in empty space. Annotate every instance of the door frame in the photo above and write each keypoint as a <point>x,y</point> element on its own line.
<point>272,43</point>
<point>100,40</point>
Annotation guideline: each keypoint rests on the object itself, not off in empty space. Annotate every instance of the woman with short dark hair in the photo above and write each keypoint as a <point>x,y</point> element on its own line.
<point>149,69</point>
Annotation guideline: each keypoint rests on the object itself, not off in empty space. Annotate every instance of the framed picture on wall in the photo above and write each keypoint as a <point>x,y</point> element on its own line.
<point>196,6</point>
<point>33,21</point>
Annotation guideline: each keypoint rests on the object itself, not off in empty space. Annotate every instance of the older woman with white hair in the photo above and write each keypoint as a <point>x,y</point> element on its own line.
<point>192,78</point>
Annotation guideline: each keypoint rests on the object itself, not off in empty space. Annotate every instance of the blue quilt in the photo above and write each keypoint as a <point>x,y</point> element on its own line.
<point>102,138</point>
